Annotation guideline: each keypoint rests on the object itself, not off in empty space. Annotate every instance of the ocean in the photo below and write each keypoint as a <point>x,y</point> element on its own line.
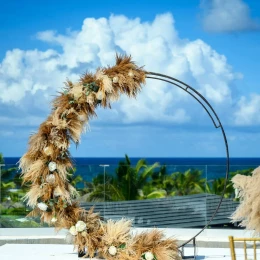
<point>211,167</point>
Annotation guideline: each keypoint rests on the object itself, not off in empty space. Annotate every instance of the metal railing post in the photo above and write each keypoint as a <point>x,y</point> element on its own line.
<point>1,165</point>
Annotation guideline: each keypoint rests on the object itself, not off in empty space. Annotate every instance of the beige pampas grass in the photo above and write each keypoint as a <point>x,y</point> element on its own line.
<point>93,235</point>
<point>91,98</point>
<point>62,192</point>
<point>77,91</point>
<point>58,121</point>
<point>35,171</point>
<point>107,82</point>
<point>59,138</point>
<point>117,232</point>
<point>63,170</point>
<point>71,110</point>
<point>25,163</point>
<point>76,127</point>
<point>249,209</point>
<point>32,195</point>
<point>155,242</point>
<point>73,192</point>
<point>46,217</point>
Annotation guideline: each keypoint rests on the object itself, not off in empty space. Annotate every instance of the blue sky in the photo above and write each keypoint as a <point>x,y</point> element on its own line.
<point>213,45</point>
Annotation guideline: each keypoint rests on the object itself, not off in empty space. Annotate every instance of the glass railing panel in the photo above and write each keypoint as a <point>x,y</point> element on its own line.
<point>174,196</point>
<point>215,188</point>
<point>12,209</point>
<point>162,196</point>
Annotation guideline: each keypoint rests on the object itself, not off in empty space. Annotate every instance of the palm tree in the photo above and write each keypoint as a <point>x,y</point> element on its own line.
<point>127,184</point>
<point>101,189</point>
<point>179,183</point>
<point>158,177</point>
<point>217,187</point>
<point>132,179</point>
<point>149,191</point>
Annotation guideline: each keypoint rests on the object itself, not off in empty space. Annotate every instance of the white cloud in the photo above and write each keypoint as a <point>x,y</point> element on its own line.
<point>227,16</point>
<point>248,112</point>
<point>29,78</point>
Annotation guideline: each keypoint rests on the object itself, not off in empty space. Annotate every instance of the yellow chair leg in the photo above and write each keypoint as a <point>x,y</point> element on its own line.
<point>232,247</point>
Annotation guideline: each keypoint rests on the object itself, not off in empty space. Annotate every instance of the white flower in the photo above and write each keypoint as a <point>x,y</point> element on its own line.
<point>73,231</point>
<point>52,166</point>
<point>77,91</point>
<point>130,73</point>
<point>57,192</point>
<point>112,250</point>
<point>148,256</point>
<point>107,82</point>
<point>99,95</point>
<point>82,117</point>
<point>80,226</point>
<point>115,79</point>
<point>47,150</point>
<point>53,220</point>
<point>50,178</point>
<point>42,206</point>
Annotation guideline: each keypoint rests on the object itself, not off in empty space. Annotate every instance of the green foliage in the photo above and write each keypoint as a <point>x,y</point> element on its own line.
<point>10,221</point>
<point>125,185</point>
<point>217,187</point>
<point>131,179</point>
<point>1,159</point>
<point>157,194</point>
<point>246,172</point>
<point>9,182</point>
<point>141,181</point>
<point>14,211</point>
<point>130,182</point>
<point>5,190</point>
<point>187,183</point>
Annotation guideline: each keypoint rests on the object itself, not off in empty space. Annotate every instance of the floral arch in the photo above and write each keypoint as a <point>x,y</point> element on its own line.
<point>46,164</point>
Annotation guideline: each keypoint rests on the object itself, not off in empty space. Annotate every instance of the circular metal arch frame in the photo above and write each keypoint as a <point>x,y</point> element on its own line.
<point>217,124</point>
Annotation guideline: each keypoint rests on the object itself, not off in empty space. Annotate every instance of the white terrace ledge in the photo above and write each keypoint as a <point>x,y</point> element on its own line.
<point>208,238</point>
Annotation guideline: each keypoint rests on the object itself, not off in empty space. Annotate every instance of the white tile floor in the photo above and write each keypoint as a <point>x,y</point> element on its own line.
<point>220,235</point>
<point>65,252</point>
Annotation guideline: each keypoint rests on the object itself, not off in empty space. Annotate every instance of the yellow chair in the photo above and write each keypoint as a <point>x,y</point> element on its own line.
<point>232,241</point>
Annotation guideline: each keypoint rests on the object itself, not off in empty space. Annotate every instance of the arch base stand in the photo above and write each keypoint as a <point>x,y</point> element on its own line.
<point>182,249</point>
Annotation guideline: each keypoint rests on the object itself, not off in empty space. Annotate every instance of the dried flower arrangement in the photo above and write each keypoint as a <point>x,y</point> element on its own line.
<point>247,189</point>
<point>46,164</point>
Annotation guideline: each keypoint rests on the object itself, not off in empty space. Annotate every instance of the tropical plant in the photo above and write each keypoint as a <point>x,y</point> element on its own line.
<point>132,179</point>
<point>245,172</point>
<point>126,184</point>
<point>102,188</point>
<point>158,177</point>
<point>1,159</point>
<point>179,183</point>
<point>5,190</point>
<point>216,186</point>
<point>6,182</point>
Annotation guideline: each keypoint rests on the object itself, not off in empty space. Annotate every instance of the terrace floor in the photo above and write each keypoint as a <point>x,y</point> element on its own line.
<point>44,244</point>
<point>65,252</point>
